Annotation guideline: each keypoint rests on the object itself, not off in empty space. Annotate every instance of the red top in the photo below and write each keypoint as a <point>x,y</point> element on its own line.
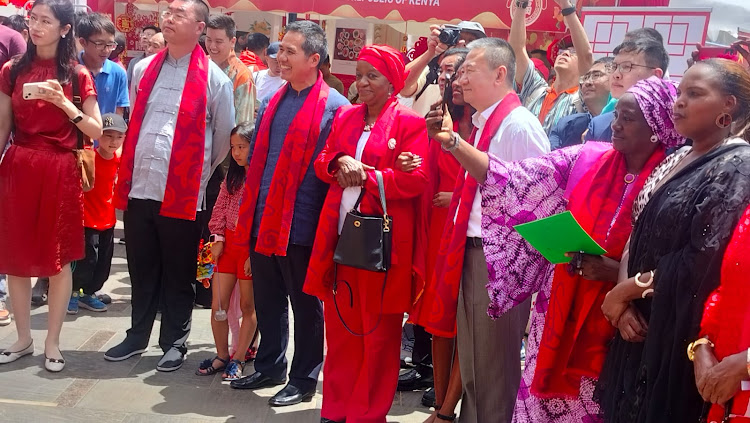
<point>226,211</point>
<point>398,129</point>
<point>726,318</point>
<point>41,216</point>
<point>98,210</point>
<point>252,61</point>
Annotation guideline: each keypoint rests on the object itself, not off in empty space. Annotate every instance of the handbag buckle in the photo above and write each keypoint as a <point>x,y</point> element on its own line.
<point>386,224</point>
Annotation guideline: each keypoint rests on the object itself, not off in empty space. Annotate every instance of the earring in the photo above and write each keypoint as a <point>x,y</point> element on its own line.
<point>724,120</point>
<point>63,35</point>
<point>654,139</point>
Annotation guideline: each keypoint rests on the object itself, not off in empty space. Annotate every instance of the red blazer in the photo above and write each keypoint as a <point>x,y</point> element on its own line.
<point>398,129</point>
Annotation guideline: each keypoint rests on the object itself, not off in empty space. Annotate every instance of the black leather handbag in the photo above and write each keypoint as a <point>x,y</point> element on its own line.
<point>365,241</point>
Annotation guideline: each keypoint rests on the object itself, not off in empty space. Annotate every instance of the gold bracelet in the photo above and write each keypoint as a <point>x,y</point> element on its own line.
<point>694,345</point>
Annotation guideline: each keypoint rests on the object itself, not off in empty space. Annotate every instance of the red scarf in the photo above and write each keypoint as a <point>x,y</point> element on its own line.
<point>299,146</point>
<point>576,334</point>
<point>188,144</point>
<point>450,260</point>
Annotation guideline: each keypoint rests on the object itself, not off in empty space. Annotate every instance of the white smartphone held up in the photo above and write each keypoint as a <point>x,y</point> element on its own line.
<point>34,90</point>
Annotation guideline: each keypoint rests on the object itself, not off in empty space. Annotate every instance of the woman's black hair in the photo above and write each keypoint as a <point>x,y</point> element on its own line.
<point>457,112</point>
<point>65,56</point>
<point>236,173</point>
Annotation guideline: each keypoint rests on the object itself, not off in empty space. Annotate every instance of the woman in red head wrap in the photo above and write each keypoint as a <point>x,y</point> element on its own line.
<point>363,315</point>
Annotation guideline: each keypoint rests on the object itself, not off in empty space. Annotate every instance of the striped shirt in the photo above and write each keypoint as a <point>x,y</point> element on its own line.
<point>536,90</point>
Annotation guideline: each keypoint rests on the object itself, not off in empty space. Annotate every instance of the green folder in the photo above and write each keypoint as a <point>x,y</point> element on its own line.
<point>556,235</point>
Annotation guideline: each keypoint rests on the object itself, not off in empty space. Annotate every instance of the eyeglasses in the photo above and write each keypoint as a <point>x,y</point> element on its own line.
<point>592,76</point>
<point>103,45</point>
<point>175,15</point>
<point>33,21</point>
<point>624,67</point>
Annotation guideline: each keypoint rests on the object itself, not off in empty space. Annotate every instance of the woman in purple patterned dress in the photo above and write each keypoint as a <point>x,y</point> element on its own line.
<point>598,184</point>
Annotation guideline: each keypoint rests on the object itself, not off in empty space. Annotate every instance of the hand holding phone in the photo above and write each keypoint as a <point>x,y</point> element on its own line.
<point>35,90</point>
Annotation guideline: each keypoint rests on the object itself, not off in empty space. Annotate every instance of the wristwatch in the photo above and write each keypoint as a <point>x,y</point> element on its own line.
<point>215,238</point>
<point>77,119</point>
<point>454,145</point>
<point>693,345</point>
<point>568,11</point>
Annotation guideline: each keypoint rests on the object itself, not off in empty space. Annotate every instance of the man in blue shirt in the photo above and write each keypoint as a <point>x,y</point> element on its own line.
<point>96,34</point>
<point>635,60</point>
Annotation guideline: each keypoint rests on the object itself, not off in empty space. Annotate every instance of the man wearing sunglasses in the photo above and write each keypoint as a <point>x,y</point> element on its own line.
<point>96,34</point>
<point>636,59</point>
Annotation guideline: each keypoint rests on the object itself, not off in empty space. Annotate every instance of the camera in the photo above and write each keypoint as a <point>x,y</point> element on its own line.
<point>449,35</point>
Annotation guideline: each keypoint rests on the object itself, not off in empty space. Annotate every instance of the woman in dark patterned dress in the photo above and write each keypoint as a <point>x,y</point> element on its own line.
<point>684,217</point>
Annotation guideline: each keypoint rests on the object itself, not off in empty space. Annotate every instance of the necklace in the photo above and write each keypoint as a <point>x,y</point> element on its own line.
<point>368,126</point>
<point>630,178</point>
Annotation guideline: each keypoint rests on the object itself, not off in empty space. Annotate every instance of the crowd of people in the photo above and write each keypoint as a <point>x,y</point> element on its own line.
<point>400,200</point>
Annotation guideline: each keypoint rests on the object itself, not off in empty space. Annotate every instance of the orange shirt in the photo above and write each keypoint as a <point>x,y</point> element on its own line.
<point>550,99</point>
<point>98,210</point>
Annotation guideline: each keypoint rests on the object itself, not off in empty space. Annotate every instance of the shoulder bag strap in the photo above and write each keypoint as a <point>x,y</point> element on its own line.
<point>78,102</point>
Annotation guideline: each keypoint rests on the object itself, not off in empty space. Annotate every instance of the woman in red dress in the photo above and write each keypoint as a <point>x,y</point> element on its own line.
<point>361,372</point>
<point>41,211</point>
<point>722,355</point>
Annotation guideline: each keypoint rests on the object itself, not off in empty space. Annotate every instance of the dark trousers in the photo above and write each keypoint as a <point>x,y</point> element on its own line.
<point>421,355</point>
<point>90,273</point>
<point>275,279</point>
<point>162,261</point>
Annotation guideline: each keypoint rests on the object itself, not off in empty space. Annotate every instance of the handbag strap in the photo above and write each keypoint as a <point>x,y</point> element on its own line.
<point>78,103</point>
<point>381,191</point>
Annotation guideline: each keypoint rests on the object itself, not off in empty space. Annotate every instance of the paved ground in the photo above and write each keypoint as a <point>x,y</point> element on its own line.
<point>93,390</point>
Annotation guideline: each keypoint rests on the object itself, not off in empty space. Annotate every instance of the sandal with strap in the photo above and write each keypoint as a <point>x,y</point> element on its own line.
<point>234,370</point>
<point>206,368</point>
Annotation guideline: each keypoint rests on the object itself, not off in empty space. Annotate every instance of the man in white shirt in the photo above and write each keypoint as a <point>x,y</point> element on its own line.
<point>268,81</point>
<point>489,355</point>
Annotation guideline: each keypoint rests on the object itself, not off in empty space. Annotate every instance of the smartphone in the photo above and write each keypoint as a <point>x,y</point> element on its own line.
<point>34,90</point>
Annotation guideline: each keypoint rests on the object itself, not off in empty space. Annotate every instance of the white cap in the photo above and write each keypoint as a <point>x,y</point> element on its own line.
<point>474,27</point>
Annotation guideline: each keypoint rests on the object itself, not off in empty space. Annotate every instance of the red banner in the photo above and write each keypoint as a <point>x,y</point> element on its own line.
<point>541,15</point>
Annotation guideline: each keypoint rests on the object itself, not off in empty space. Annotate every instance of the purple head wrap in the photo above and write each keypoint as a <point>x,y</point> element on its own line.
<point>656,97</point>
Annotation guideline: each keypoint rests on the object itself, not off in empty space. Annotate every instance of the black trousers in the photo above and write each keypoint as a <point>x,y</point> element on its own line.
<point>421,355</point>
<point>275,279</point>
<point>162,261</point>
<point>90,273</point>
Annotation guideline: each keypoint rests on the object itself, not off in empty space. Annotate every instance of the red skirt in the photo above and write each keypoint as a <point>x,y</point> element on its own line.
<point>41,211</point>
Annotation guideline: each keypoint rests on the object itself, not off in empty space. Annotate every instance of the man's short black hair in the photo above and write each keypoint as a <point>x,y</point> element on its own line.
<point>257,42</point>
<point>654,53</point>
<point>223,22</point>
<point>17,22</point>
<point>315,38</point>
<point>156,29</point>
<point>94,23</point>
<point>641,33</point>
<point>201,9</point>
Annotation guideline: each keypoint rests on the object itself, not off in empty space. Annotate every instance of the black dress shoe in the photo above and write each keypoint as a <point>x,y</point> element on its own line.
<point>256,380</point>
<point>325,420</point>
<point>413,380</point>
<point>290,395</point>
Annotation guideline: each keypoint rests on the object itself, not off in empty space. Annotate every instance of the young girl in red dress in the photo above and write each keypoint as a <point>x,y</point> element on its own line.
<point>41,212</point>
<point>231,266</point>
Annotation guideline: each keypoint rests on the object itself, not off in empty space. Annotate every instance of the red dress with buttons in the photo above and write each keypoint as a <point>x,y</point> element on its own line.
<point>41,199</point>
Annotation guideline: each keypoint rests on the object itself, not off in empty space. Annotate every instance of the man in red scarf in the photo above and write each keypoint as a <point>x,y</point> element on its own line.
<point>280,211</point>
<point>179,133</point>
<point>488,350</point>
